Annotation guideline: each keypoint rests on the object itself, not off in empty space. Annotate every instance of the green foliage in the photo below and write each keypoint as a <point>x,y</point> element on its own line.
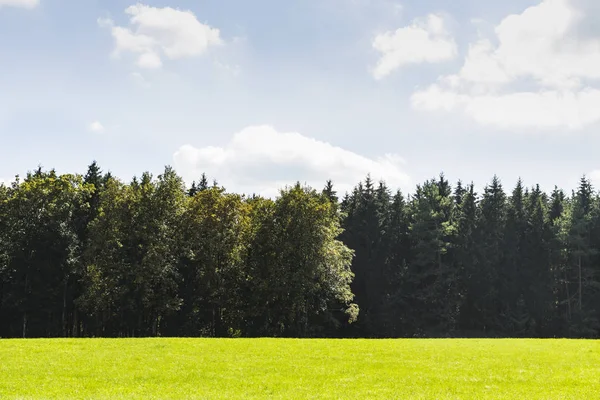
<point>214,242</point>
<point>432,272</point>
<point>41,252</point>
<point>309,269</point>
<point>93,256</point>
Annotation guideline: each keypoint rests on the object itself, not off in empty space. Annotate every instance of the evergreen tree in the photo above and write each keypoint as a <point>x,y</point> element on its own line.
<point>511,285</point>
<point>536,277</point>
<point>433,300</point>
<point>557,218</point>
<point>394,310</point>
<point>490,259</point>
<point>580,273</point>
<point>365,234</point>
<point>329,192</point>
<point>459,193</point>
<point>203,184</point>
<point>466,257</point>
<point>193,189</point>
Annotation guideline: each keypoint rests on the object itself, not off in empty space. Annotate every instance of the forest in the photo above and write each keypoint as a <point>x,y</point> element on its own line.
<point>93,256</point>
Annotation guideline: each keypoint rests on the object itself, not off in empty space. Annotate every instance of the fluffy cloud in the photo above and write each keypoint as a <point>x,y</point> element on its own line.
<point>423,41</point>
<point>19,3</point>
<point>543,109</point>
<point>543,49</point>
<point>156,33</point>
<point>262,160</point>
<point>96,126</point>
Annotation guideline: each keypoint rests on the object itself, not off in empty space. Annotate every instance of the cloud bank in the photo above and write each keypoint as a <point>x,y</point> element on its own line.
<point>543,49</point>
<point>261,160</point>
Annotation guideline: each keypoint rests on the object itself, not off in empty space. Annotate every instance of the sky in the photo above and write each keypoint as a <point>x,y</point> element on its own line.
<point>265,93</point>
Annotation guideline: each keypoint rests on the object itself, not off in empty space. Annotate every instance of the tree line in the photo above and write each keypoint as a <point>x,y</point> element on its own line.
<point>91,256</point>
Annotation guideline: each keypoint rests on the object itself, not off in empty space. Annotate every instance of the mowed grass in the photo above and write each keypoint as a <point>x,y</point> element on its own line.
<point>299,369</point>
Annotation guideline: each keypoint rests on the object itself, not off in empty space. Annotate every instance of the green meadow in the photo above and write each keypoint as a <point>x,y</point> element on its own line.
<point>299,369</point>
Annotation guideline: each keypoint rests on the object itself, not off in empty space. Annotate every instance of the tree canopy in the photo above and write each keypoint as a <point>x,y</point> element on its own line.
<point>90,255</point>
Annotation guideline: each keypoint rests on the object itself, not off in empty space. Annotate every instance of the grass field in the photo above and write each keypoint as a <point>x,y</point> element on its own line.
<point>289,369</point>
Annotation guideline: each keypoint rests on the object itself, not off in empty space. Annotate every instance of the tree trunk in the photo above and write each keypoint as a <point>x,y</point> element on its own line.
<point>155,326</point>
<point>26,302</point>
<point>568,298</point>
<point>75,323</point>
<point>24,324</point>
<point>214,323</point>
<point>64,308</point>
<point>580,285</point>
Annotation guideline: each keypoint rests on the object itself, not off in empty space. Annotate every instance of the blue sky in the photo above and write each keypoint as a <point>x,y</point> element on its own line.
<point>264,93</point>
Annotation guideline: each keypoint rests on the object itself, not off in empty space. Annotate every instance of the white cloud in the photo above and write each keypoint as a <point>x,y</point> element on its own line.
<point>96,126</point>
<point>541,49</point>
<point>149,60</point>
<point>260,159</point>
<point>156,33</point>
<point>19,3</point>
<point>543,109</point>
<point>423,41</point>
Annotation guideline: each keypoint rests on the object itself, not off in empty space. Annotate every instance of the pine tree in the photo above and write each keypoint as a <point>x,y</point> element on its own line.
<point>192,190</point>
<point>394,309</point>
<point>203,184</point>
<point>365,236</point>
<point>536,278</point>
<point>329,192</point>
<point>432,274</point>
<point>490,259</point>
<point>511,286</point>
<point>557,218</point>
<point>580,272</point>
<point>459,193</point>
<point>466,258</point>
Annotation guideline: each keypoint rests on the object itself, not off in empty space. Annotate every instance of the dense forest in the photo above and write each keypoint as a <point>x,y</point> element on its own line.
<point>85,256</point>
